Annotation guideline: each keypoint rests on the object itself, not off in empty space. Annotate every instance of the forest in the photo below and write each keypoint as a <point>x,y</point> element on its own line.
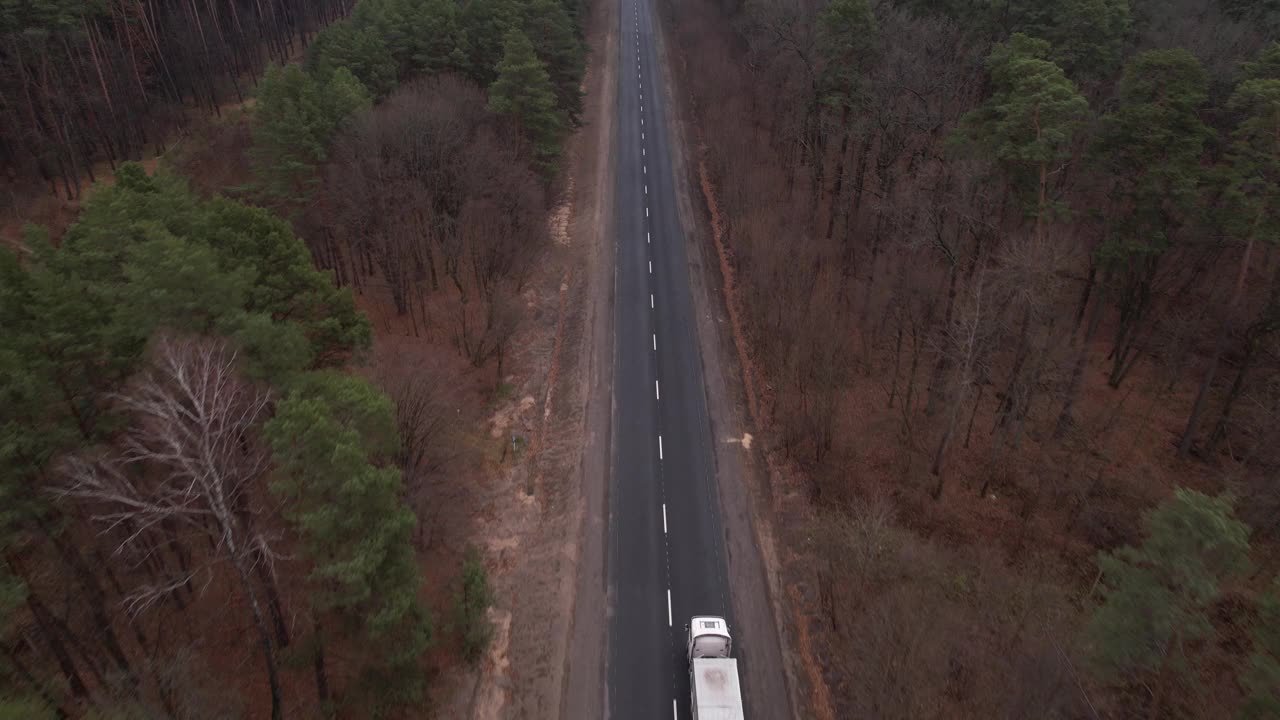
<point>83,83</point>
<point>1009,293</point>
<point>214,471</point>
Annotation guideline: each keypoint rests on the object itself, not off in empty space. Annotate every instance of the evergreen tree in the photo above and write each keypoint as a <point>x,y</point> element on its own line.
<point>24,709</point>
<point>1086,36</point>
<point>294,120</point>
<point>1030,119</point>
<point>359,50</point>
<point>437,36</point>
<point>846,40</point>
<point>1254,154</point>
<point>334,440</point>
<point>1261,679</point>
<point>1155,597</point>
<point>557,45</point>
<point>1267,66</point>
<point>145,254</point>
<point>471,606</point>
<point>1151,147</point>
<point>1154,141</point>
<point>485,25</point>
<point>524,92</point>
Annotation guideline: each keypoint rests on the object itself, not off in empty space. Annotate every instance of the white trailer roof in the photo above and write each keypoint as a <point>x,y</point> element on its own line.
<point>716,688</point>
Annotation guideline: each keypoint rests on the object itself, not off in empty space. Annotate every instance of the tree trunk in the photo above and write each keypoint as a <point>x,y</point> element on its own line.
<point>1220,427</point>
<point>273,602</point>
<point>1066,419</point>
<point>936,393</point>
<point>96,602</point>
<point>322,675</point>
<point>976,403</point>
<point>1202,397</point>
<point>59,651</point>
<point>260,623</point>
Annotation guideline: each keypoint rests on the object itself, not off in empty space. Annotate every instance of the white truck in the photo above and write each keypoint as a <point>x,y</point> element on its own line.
<point>715,692</point>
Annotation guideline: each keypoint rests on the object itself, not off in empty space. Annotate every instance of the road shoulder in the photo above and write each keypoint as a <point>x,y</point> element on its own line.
<point>583,692</point>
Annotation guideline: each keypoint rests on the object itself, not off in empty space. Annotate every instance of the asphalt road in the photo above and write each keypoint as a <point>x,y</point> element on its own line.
<point>666,544</point>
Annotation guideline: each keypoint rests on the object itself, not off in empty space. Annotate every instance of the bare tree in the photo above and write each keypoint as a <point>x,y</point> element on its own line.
<point>188,458</point>
<point>965,343</point>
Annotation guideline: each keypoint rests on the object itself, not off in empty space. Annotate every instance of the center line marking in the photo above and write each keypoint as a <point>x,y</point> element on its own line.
<point>646,236</point>
<point>664,518</point>
<point>650,301</point>
<point>645,168</point>
<point>656,394</point>
<point>642,155</point>
<point>659,447</point>
<point>646,212</point>
<point>668,607</point>
<point>646,188</point>
<point>674,712</point>
<point>655,346</point>
<point>650,267</point>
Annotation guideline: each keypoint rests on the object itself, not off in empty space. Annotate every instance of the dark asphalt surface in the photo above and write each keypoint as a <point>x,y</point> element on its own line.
<point>665,533</point>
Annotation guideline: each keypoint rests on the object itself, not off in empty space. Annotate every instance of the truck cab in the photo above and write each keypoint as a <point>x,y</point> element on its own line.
<point>715,692</point>
<point>708,637</point>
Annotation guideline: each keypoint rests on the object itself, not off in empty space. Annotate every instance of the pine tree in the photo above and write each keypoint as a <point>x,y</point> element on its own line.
<point>471,606</point>
<point>334,440</point>
<point>524,92</point>
<point>1030,119</point>
<point>1153,143</point>
<point>1152,146</point>
<point>294,120</point>
<point>1155,597</point>
<point>1086,36</point>
<point>484,25</point>
<point>1247,213</point>
<point>846,40</point>
<point>1261,679</point>
<point>437,36</point>
<point>359,50</point>
<point>557,45</point>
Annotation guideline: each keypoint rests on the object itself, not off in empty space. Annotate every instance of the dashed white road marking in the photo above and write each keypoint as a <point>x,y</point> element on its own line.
<point>674,712</point>
<point>646,212</point>
<point>650,301</point>
<point>657,394</point>
<point>646,188</point>
<point>668,607</point>
<point>659,447</point>
<point>645,168</point>
<point>646,237</point>
<point>650,267</point>
<point>655,345</point>
<point>664,518</point>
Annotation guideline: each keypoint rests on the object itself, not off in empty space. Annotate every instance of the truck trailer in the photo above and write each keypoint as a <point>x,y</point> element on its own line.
<point>715,692</point>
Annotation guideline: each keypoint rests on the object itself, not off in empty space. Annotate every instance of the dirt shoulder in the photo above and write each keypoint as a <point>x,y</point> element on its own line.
<point>542,519</point>
<point>749,498</point>
<point>583,692</point>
